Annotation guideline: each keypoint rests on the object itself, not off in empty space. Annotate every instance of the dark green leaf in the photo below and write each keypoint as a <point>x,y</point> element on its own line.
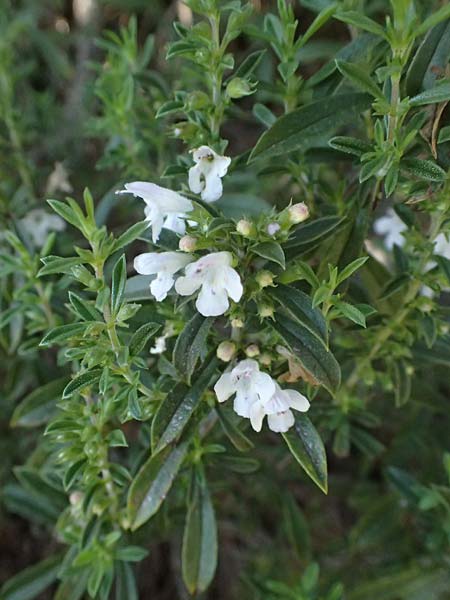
<point>141,337</point>
<point>33,581</point>
<point>272,251</point>
<point>191,345</point>
<point>130,235</point>
<point>352,313</point>
<point>234,434</point>
<point>152,484</point>
<point>352,17</point>
<point>299,305</point>
<point>177,408</point>
<point>430,58</point>
<point>307,448</point>
<point>118,281</point>
<point>310,235</point>
<point>63,333</point>
<point>424,169</point>
<point>303,128</point>
<point>84,309</point>
<point>39,406</point>
<point>199,553</point>
<point>82,381</point>
<point>314,357</point>
<point>57,264</point>
<point>350,145</point>
<point>360,78</point>
<point>402,383</point>
<point>439,93</point>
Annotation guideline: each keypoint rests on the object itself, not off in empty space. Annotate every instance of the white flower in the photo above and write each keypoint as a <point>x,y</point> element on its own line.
<point>38,223</point>
<point>205,176</point>
<point>278,410</point>
<point>391,227</point>
<point>164,265</point>
<point>248,383</point>
<point>442,246</point>
<point>165,208</point>
<point>160,345</point>
<point>216,278</point>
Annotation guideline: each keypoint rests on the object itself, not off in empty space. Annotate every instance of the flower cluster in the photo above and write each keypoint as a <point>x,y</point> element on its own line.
<point>212,274</point>
<point>257,395</point>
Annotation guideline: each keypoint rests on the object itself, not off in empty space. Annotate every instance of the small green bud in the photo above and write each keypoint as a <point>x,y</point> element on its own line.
<point>266,311</point>
<point>237,323</point>
<point>238,87</point>
<point>264,279</point>
<point>225,351</point>
<point>265,359</point>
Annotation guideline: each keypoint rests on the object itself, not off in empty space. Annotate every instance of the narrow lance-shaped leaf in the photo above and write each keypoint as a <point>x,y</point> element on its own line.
<point>32,582</point>
<point>199,553</point>
<point>177,408</point>
<point>318,362</point>
<point>302,128</point>
<point>307,448</point>
<point>38,406</point>
<point>191,344</point>
<point>141,337</point>
<point>360,78</point>
<point>118,281</point>
<point>272,251</point>
<point>152,484</point>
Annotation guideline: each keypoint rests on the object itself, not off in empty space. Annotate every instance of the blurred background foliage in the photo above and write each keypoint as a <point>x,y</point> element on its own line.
<point>81,83</point>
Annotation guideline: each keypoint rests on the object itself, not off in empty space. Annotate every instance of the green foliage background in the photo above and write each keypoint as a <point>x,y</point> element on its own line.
<point>105,105</point>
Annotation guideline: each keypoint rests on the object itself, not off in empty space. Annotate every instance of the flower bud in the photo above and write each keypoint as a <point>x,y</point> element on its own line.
<point>238,87</point>
<point>76,497</point>
<point>265,311</point>
<point>225,351</point>
<point>265,359</point>
<point>245,228</point>
<point>298,213</point>
<point>264,279</point>
<point>187,243</point>
<point>237,323</point>
<point>252,351</point>
<point>273,228</point>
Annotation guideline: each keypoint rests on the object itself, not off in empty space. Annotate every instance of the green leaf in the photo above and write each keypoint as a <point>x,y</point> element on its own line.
<point>424,169</point>
<point>272,251</point>
<point>394,285</point>
<point>63,333</point>
<point>309,235</point>
<point>125,585</point>
<point>434,19</point>
<point>444,135</point>
<point>191,345</point>
<point>57,264</point>
<point>299,306</point>
<point>68,213</point>
<point>360,78</point>
<point>350,145</point>
<point>249,64</point>
<point>303,128</point>
<point>352,268</point>
<point>118,281</point>
<point>199,552</point>
<point>234,434</point>
<point>38,485</point>
<point>39,406</point>
<point>152,484</point>
<point>72,472</point>
<point>430,58</point>
<point>138,288</point>
<point>402,383</point>
<point>82,381</point>
<point>439,93</point>
<point>307,448</point>
<point>319,21</point>
<point>314,357</point>
<point>141,337</point>
<point>352,313</point>
<point>361,21</point>
<point>33,581</point>
<point>131,553</point>
<point>130,235</point>
<point>84,309</point>
<point>444,265</point>
<point>177,408</point>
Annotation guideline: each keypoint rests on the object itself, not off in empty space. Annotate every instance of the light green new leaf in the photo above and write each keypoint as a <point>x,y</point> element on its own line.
<point>307,448</point>
<point>118,281</point>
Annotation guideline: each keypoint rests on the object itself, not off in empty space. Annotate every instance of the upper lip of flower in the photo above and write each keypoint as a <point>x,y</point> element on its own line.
<point>205,176</point>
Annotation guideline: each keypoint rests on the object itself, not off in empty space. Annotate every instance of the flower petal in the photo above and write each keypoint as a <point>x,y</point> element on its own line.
<point>281,422</point>
<point>213,188</point>
<point>161,285</point>
<point>224,387</point>
<point>175,222</point>
<point>212,301</point>
<point>243,403</point>
<point>265,386</point>
<point>167,200</point>
<point>232,283</point>
<point>257,415</point>
<point>195,183</point>
<point>185,286</point>
<point>297,401</point>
